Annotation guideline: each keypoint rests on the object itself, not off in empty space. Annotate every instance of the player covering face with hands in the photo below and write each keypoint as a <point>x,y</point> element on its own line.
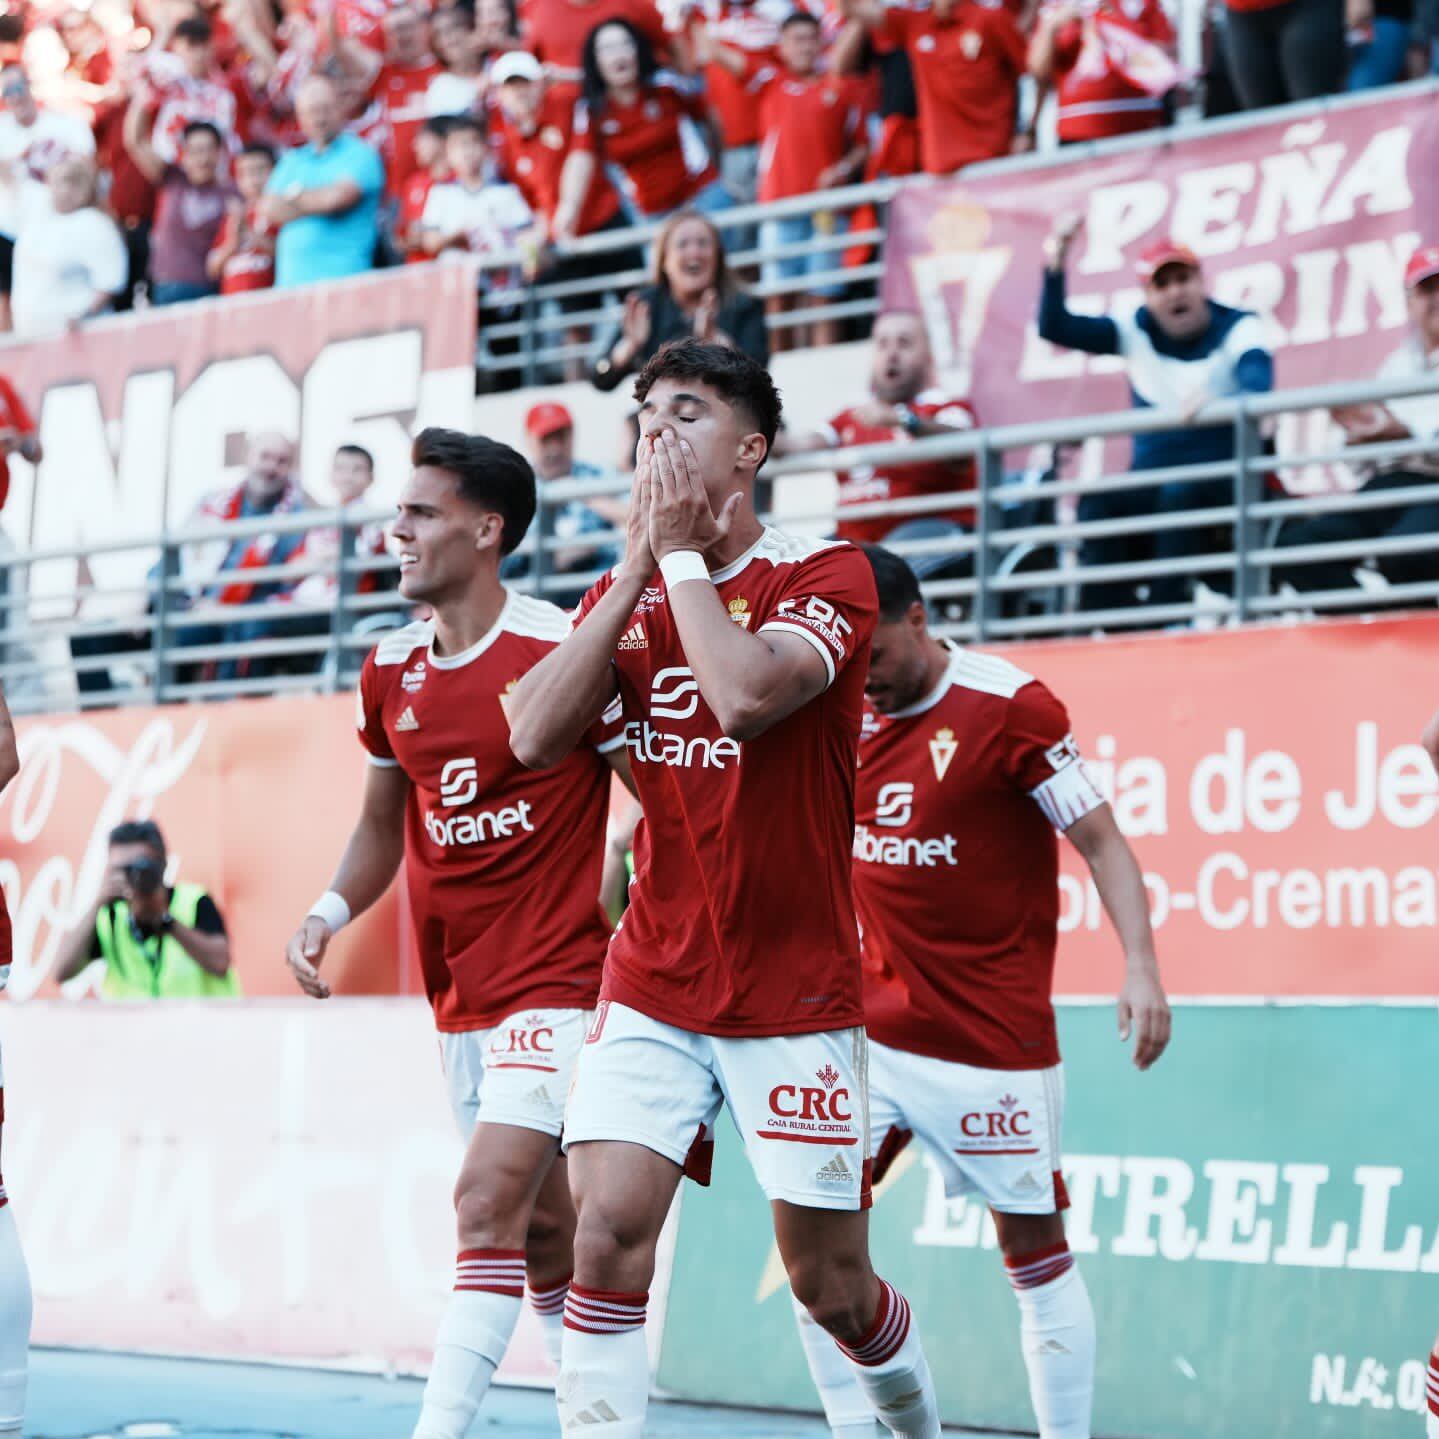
<point>738,655</point>
<point>503,867</point>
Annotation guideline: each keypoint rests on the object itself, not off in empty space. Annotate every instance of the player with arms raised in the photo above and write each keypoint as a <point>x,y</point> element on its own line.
<point>14,1276</point>
<point>503,867</point>
<point>734,976</point>
<point>967,767</point>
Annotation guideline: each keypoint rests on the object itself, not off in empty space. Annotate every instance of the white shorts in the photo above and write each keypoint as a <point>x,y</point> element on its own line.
<point>992,1132</point>
<point>798,1101</point>
<point>517,1073</point>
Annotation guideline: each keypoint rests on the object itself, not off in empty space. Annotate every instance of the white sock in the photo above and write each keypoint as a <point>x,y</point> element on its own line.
<point>1431,1396</point>
<point>890,1365</point>
<point>549,1307</point>
<point>604,1384</point>
<point>847,1409</point>
<point>473,1337</point>
<point>1057,1332</point>
<point>14,1322</point>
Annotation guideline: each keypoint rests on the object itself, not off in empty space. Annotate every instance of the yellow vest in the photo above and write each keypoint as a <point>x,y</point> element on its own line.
<point>157,967</point>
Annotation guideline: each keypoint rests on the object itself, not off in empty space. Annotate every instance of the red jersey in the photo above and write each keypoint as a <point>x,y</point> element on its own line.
<point>741,919</point>
<point>1096,98</point>
<point>966,76</point>
<point>502,862</point>
<point>752,27</point>
<point>179,99</point>
<point>414,195</point>
<point>533,163</point>
<point>13,416</point>
<point>556,30</point>
<point>252,266</point>
<point>956,865</point>
<point>809,122</point>
<point>400,93</point>
<point>866,485</point>
<point>654,149</point>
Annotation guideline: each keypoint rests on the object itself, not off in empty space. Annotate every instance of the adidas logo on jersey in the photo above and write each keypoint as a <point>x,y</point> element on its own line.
<point>633,639</point>
<point>406,721</point>
<point>835,1172</point>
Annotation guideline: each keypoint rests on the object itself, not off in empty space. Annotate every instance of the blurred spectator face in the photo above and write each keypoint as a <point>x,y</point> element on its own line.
<point>268,464</point>
<point>799,45</point>
<point>252,174</point>
<point>901,360</point>
<point>492,25</point>
<point>520,103</point>
<point>429,147</point>
<point>617,58</point>
<point>72,184</point>
<point>200,157</point>
<point>691,259</point>
<point>317,111</point>
<point>15,95</point>
<point>351,474</point>
<point>197,56</point>
<point>453,38</point>
<point>1176,299</point>
<point>1423,300</point>
<point>465,150</point>
<point>554,454</point>
<point>405,36</point>
<point>81,36</point>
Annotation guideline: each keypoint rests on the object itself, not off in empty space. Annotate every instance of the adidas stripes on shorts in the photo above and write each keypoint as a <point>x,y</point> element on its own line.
<point>517,1073</point>
<point>798,1101</point>
<point>994,1133</point>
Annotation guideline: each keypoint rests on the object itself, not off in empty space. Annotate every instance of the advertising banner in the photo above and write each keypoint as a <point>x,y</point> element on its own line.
<point>1308,221</point>
<point>142,415</point>
<point>1257,1269</point>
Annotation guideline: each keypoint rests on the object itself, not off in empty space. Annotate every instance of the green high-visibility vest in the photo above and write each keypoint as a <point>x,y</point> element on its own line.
<point>157,967</point>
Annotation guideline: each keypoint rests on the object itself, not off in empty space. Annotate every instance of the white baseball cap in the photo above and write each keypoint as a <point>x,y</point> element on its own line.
<point>516,65</point>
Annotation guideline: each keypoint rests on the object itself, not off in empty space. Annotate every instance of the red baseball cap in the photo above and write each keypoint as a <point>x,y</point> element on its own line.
<point>547,419</point>
<point>1165,251</point>
<point>1423,265</point>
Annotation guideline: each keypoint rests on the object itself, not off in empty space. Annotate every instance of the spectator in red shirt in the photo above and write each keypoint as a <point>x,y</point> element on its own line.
<point>647,126</point>
<point>17,435</point>
<point>244,254</point>
<point>813,124</point>
<point>183,85</point>
<point>432,167</point>
<point>1080,49</point>
<point>556,32</point>
<point>530,130</point>
<point>967,59</point>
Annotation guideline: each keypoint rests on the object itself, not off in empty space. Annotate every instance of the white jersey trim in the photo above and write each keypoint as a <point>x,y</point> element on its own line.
<point>396,648</point>
<point>777,547</point>
<point>380,763</point>
<point>986,673</point>
<point>820,647</point>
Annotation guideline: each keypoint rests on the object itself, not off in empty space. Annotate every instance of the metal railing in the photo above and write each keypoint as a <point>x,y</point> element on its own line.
<point>1018,563</point>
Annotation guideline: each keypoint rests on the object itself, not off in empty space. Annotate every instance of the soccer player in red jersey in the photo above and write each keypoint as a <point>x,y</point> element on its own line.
<point>733,977</point>
<point>967,766</point>
<point>503,867</point>
<point>14,1276</point>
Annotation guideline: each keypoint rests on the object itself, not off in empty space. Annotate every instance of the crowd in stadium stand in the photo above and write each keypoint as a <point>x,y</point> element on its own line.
<point>154,151</point>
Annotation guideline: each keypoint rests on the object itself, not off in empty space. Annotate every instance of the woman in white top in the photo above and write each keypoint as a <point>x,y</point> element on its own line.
<point>70,261</point>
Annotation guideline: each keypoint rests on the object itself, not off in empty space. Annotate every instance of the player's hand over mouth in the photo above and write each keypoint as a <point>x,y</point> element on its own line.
<point>680,513</point>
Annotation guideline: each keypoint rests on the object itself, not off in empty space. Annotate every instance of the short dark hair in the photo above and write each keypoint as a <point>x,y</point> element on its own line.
<point>799,17</point>
<point>894,581</point>
<point>596,92</point>
<point>202,127</point>
<point>359,452</point>
<point>139,831</point>
<point>488,473</point>
<point>194,28</point>
<point>438,125</point>
<point>742,381</point>
<point>258,147</point>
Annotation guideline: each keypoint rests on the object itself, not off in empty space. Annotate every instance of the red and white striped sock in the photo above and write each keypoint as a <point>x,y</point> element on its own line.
<point>473,1337</point>
<point>14,1326</point>
<point>549,1306</point>
<point>847,1409</point>
<point>604,1384</point>
<point>1056,1325</point>
<point>1431,1396</point>
<point>890,1365</point>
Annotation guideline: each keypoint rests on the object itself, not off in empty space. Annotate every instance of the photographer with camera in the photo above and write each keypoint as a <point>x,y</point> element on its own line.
<point>157,941</point>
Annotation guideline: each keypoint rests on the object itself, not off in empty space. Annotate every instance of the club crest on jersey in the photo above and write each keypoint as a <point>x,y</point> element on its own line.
<point>739,611</point>
<point>413,677</point>
<point>942,750</point>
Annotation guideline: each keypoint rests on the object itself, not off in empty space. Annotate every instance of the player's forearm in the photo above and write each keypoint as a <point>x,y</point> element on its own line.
<point>368,864</point>
<point>73,952</point>
<point>1120,883</point>
<point>210,951</point>
<point>9,746</point>
<point>562,696</point>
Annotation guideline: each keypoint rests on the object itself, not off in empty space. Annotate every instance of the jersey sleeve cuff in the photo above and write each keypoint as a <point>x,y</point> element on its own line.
<point>821,648</point>
<point>610,745</point>
<point>380,762</point>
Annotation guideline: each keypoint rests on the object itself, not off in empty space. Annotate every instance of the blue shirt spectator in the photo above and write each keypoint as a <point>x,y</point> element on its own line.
<point>324,196</point>
<point>1180,349</point>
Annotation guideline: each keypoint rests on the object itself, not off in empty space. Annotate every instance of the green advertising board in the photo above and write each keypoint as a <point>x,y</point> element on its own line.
<point>1257,1220</point>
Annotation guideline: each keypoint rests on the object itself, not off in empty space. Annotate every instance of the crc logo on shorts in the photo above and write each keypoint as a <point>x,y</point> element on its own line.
<point>1005,1129</point>
<point>522,1042</point>
<point>821,617</point>
<point>812,1113</point>
<point>675,695</point>
<point>894,805</point>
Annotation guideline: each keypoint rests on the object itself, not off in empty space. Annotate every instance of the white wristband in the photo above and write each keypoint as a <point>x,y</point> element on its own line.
<point>681,565</point>
<point>332,909</point>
